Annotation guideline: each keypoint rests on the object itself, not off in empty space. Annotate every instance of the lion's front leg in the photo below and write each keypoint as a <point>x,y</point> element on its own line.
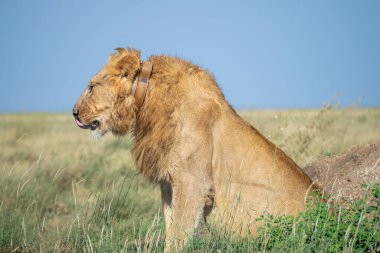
<point>166,197</point>
<point>183,204</point>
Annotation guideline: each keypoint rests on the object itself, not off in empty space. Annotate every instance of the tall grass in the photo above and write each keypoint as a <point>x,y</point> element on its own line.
<point>322,227</point>
<point>61,192</point>
<point>98,224</point>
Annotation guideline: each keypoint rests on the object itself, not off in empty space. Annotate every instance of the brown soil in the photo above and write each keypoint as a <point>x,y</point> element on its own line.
<point>343,175</point>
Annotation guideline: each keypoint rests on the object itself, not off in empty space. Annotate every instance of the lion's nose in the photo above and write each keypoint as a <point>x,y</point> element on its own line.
<point>75,113</point>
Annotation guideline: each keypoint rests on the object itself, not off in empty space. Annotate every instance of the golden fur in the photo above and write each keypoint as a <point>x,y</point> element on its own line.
<point>208,161</point>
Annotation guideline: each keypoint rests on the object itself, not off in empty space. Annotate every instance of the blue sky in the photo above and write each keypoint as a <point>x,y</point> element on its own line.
<point>264,54</point>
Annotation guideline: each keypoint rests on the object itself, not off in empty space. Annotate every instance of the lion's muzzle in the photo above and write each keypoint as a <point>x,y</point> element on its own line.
<point>91,126</point>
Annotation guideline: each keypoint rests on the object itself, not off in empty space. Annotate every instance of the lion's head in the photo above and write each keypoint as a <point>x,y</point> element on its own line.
<point>108,104</point>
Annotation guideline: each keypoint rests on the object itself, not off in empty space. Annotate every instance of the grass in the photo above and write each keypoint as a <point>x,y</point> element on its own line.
<point>322,227</point>
<point>62,192</point>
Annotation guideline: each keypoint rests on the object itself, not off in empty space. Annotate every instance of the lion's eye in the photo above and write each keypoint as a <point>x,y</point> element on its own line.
<point>90,87</point>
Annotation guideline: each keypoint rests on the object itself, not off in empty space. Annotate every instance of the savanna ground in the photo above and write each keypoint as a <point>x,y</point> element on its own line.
<point>60,191</point>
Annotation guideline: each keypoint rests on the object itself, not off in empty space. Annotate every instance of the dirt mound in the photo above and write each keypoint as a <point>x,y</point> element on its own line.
<point>343,175</point>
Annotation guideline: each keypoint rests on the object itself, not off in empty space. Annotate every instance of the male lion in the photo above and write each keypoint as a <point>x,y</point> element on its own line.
<point>209,162</point>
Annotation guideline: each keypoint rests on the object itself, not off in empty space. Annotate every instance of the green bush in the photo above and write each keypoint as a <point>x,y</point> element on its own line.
<point>324,226</point>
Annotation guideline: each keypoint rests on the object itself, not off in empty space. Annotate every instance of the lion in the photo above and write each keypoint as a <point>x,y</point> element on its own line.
<point>210,164</point>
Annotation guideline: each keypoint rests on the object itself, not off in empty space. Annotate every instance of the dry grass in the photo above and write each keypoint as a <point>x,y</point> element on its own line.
<point>307,135</point>
<point>63,179</point>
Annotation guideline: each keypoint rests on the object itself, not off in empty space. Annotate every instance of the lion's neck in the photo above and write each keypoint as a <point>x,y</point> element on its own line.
<point>156,127</point>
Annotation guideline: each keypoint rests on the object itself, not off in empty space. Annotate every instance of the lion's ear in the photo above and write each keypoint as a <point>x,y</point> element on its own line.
<point>120,49</point>
<point>126,62</point>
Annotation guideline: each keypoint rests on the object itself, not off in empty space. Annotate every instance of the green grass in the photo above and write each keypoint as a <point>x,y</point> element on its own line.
<point>322,227</point>
<point>61,191</point>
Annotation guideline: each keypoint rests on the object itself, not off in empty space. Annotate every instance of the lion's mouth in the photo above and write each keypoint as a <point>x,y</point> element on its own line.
<point>91,126</point>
